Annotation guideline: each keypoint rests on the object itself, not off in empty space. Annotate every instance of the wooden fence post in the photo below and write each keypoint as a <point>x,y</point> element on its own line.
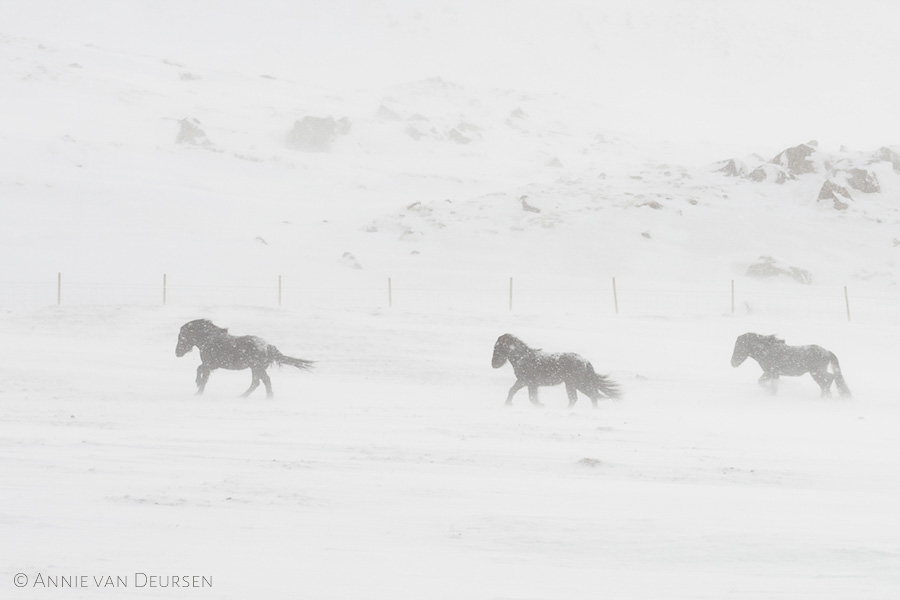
<point>847,302</point>
<point>732,296</point>
<point>615,295</point>
<point>59,288</point>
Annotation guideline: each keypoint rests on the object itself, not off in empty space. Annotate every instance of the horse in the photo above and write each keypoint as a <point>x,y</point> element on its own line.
<point>534,368</point>
<point>777,358</point>
<point>221,350</point>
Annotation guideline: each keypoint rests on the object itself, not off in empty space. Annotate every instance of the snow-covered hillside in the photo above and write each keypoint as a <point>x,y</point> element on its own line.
<point>638,182</point>
<point>431,156</point>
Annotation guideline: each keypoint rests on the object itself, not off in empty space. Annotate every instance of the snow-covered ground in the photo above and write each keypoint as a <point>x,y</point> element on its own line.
<point>393,470</point>
<point>500,164</point>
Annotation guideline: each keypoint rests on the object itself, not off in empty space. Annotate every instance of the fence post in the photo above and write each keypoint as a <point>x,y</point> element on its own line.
<point>59,288</point>
<point>510,294</point>
<point>732,296</point>
<point>390,294</point>
<point>164,289</point>
<point>847,302</point>
<point>279,291</point>
<point>615,295</point>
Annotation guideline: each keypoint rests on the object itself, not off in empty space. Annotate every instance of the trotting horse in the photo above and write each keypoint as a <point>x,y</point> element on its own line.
<point>534,368</point>
<point>221,350</point>
<point>777,358</point>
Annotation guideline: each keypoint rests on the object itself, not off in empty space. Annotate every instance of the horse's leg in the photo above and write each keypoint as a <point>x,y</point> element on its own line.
<point>202,377</point>
<point>824,379</point>
<point>594,395</point>
<point>590,390</point>
<point>572,391</point>
<point>253,384</point>
<point>770,382</point>
<point>266,381</point>
<point>533,395</point>
<point>518,385</point>
<point>830,379</point>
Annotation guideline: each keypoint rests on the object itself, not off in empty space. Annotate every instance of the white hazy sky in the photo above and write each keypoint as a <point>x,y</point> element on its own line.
<point>780,71</point>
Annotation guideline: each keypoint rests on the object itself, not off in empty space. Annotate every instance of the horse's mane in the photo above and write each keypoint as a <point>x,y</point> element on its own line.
<point>510,338</point>
<point>763,339</point>
<point>210,326</point>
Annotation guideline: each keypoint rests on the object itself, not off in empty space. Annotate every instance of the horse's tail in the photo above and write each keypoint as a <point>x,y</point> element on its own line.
<point>281,359</point>
<point>839,382</point>
<point>607,386</point>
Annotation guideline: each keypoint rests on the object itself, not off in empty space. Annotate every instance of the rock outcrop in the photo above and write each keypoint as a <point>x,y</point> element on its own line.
<point>835,193</point>
<point>863,180</point>
<point>315,134</point>
<point>796,160</point>
<point>768,267</point>
<point>837,171</point>
<point>191,133</point>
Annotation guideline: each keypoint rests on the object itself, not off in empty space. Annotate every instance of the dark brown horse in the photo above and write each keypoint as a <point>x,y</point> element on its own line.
<point>535,368</point>
<point>221,350</point>
<point>777,358</point>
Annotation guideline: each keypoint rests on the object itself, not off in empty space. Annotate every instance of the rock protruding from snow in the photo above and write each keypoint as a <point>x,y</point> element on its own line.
<point>787,165</point>
<point>733,168</point>
<point>528,207</point>
<point>890,155</point>
<point>796,161</point>
<point>457,136</point>
<point>516,118</point>
<point>315,134</point>
<point>837,171</point>
<point>769,267</point>
<point>863,180</point>
<point>419,127</point>
<point>739,167</point>
<point>191,133</point>
<point>348,260</point>
<point>386,114</point>
<point>836,194</point>
<point>769,172</point>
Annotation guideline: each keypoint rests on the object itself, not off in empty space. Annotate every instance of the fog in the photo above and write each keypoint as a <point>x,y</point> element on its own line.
<point>387,187</point>
<point>764,72</point>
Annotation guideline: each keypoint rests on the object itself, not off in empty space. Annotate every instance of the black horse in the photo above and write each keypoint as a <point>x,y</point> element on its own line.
<point>535,368</point>
<point>221,350</point>
<point>777,358</point>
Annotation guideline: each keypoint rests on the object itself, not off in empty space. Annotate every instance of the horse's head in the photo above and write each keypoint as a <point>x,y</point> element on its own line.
<point>191,333</point>
<point>752,344</point>
<point>741,350</point>
<point>501,349</point>
<point>186,341</point>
